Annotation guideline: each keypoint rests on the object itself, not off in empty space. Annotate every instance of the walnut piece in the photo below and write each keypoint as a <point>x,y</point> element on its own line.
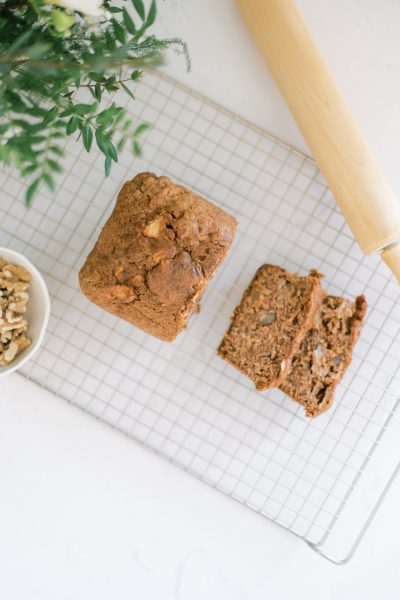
<point>153,229</point>
<point>14,283</point>
<point>267,319</point>
<point>121,292</point>
<point>136,280</point>
<point>16,273</point>
<point>118,271</point>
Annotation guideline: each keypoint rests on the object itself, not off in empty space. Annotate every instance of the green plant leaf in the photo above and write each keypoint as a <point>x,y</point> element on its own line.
<point>91,90</point>
<point>5,153</point>
<point>53,165</point>
<point>72,125</point>
<point>17,103</point>
<point>107,116</point>
<point>19,42</point>
<point>61,20</point>
<point>97,91</point>
<point>110,42</point>
<point>107,166</point>
<point>38,49</point>
<point>87,136</point>
<point>59,124</point>
<point>101,140</point>
<point>50,115</point>
<point>37,128</point>
<point>141,129</point>
<point>96,75</point>
<point>31,191</point>
<point>83,109</point>
<point>136,149</point>
<point>5,127</point>
<point>128,21</point>
<point>139,7</point>
<point>127,90</point>
<point>135,75</point>
<point>56,150</point>
<point>49,181</point>
<point>121,144</point>
<point>118,31</point>
<point>37,139</point>
<point>112,151</point>
<point>151,16</point>
<point>36,111</point>
<point>127,124</point>
<point>22,124</point>
<point>30,169</point>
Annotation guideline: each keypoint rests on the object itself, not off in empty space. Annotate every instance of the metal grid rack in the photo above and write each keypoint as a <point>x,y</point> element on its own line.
<point>180,399</point>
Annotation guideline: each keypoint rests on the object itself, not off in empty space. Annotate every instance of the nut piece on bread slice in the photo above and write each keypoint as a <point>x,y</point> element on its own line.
<point>325,353</point>
<point>267,327</point>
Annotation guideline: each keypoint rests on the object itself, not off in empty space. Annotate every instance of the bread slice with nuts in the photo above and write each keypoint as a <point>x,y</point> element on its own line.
<point>156,254</point>
<point>268,325</point>
<point>325,353</point>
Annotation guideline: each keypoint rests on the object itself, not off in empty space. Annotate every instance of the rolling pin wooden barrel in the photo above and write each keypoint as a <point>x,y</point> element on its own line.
<point>358,183</point>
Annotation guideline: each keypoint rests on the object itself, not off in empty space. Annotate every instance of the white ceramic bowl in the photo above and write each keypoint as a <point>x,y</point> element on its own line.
<point>37,310</point>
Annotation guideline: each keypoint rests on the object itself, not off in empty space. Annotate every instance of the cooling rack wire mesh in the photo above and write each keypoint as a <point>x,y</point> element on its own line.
<point>180,399</point>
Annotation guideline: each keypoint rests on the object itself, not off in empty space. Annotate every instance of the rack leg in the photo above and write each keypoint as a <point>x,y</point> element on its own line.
<point>342,561</point>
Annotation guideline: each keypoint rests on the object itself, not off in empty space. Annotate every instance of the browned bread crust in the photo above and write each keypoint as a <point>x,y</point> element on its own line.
<point>268,325</point>
<point>156,254</point>
<point>325,353</point>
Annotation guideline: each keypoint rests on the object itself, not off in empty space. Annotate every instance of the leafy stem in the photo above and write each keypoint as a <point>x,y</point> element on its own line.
<point>106,64</point>
<point>57,70</point>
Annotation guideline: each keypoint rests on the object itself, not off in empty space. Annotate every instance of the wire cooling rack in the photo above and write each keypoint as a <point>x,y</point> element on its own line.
<point>320,479</point>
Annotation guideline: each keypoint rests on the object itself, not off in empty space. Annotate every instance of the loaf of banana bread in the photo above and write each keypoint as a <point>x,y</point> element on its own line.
<point>156,254</point>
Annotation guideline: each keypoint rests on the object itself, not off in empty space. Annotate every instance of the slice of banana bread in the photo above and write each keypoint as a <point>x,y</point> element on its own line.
<point>268,325</point>
<point>156,254</point>
<point>325,353</point>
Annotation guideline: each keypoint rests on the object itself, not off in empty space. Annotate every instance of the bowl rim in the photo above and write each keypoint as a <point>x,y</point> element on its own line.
<point>6,370</point>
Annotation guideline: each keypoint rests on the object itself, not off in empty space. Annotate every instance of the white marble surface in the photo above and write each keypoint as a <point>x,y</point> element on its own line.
<point>84,512</point>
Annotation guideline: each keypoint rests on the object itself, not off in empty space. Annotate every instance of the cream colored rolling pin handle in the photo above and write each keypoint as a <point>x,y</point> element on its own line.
<point>367,201</point>
<point>391,256</point>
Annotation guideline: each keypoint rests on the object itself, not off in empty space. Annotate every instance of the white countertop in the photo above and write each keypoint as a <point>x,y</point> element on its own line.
<point>86,513</point>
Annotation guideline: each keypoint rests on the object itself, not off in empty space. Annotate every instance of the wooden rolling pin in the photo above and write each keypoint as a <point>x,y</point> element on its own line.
<point>361,189</point>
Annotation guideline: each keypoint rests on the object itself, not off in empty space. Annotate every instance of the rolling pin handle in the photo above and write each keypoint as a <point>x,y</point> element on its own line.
<point>391,256</point>
<point>358,184</point>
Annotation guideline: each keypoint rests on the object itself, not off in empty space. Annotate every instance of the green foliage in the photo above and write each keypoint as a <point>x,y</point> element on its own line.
<point>58,69</point>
